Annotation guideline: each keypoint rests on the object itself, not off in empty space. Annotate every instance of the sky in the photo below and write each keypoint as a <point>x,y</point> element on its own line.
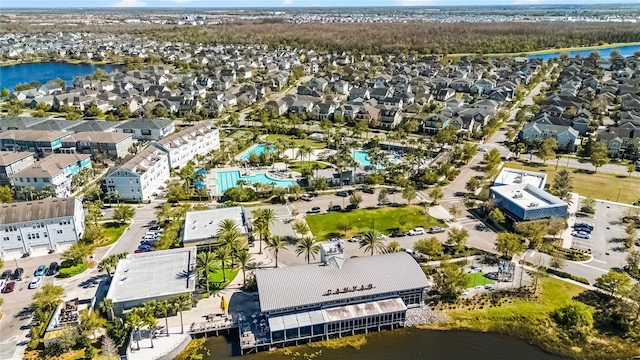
<point>284,3</point>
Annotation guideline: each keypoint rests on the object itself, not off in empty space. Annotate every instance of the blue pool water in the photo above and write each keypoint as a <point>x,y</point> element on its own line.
<point>258,150</point>
<point>362,157</point>
<point>228,179</point>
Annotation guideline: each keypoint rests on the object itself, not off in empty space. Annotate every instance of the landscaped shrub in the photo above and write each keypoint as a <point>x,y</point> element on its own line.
<point>239,194</point>
<point>72,271</point>
<point>565,275</point>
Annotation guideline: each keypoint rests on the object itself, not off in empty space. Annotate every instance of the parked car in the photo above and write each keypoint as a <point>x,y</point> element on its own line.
<point>138,251</point>
<point>481,149</point>
<point>490,287</point>
<point>17,274</point>
<point>6,274</point>
<point>342,193</point>
<point>3,282</point>
<point>335,208</point>
<point>583,225</point>
<point>144,248</point>
<point>36,282</point>
<point>474,269</point>
<point>351,207</point>
<point>411,252</point>
<point>53,269</point>
<point>314,210</point>
<point>368,190</point>
<point>40,271</point>
<point>9,287</point>
<point>581,234</point>
<point>417,231</point>
<point>385,203</point>
<point>436,230</point>
<point>306,197</point>
<point>356,238</point>
<point>398,233</point>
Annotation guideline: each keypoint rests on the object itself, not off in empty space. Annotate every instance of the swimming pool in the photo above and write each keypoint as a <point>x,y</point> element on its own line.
<point>228,179</point>
<point>258,150</point>
<point>362,157</point>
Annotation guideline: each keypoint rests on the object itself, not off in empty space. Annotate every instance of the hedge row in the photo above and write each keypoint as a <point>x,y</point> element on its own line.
<point>565,275</point>
<point>72,271</point>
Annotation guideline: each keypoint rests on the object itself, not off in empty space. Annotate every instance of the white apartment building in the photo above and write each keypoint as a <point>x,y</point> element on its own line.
<point>184,145</point>
<point>141,176</point>
<point>56,170</point>
<point>36,227</point>
<point>13,162</point>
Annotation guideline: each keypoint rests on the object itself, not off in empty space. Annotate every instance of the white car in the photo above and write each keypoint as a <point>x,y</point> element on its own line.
<point>36,282</point>
<point>475,269</point>
<point>306,197</point>
<point>417,231</point>
<point>581,234</point>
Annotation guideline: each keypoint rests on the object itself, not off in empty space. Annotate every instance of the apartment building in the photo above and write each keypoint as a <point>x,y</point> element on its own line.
<point>56,170</point>
<point>13,162</point>
<point>194,140</point>
<point>141,176</point>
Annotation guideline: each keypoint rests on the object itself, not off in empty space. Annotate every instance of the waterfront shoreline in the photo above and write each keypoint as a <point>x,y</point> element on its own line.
<point>70,62</point>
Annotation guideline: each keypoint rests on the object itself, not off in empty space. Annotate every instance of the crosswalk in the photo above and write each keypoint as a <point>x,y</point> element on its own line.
<point>467,221</point>
<point>451,199</point>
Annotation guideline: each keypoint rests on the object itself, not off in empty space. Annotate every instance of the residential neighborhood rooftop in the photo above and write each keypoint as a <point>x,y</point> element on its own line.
<point>9,157</point>
<point>50,208</point>
<point>203,224</point>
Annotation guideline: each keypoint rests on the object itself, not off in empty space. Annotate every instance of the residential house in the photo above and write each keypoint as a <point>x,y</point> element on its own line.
<point>56,170</point>
<point>195,140</point>
<point>42,143</point>
<point>147,129</point>
<point>112,145</point>
<point>139,178</point>
<point>13,162</point>
<point>389,119</point>
<point>565,136</point>
<point>37,227</point>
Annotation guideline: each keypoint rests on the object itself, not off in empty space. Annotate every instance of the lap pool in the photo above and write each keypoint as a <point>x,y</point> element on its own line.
<point>229,179</point>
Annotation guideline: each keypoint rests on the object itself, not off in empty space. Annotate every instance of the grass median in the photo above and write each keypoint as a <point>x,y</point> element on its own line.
<point>384,219</point>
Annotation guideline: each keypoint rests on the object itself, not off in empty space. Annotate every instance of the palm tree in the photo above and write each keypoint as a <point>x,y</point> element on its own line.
<point>309,247</point>
<point>267,216</point>
<point>225,226</point>
<point>223,254</point>
<point>180,303</point>
<point>134,320</point>
<point>106,307</point>
<point>149,319</point>
<point>164,307</point>
<point>372,241</point>
<point>262,229</point>
<point>205,264</point>
<point>244,257</point>
<point>276,244</point>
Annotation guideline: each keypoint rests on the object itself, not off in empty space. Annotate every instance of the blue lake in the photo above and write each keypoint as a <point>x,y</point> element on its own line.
<point>604,53</point>
<point>13,75</point>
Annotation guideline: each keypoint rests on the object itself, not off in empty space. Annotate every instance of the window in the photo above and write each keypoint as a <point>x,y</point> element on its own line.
<point>28,180</point>
<point>6,238</point>
<point>45,180</point>
<point>58,231</point>
<point>35,180</point>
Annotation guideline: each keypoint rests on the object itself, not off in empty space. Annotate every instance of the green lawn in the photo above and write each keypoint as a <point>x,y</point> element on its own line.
<point>323,226</point>
<point>297,142</point>
<point>112,232</point>
<point>598,186</point>
<point>240,134</point>
<point>216,277</point>
<point>299,165</point>
<point>476,279</point>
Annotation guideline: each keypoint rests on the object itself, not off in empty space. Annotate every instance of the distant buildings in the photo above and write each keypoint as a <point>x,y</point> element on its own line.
<point>147,129</point>
<point>13,162</point>
<point>40,226</point>
<point>156,275</point>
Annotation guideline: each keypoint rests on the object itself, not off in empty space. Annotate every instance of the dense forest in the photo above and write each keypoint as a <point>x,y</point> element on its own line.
<point>381,38</point>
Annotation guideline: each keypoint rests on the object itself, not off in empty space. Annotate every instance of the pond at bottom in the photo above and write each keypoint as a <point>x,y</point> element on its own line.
<point>406,344</point>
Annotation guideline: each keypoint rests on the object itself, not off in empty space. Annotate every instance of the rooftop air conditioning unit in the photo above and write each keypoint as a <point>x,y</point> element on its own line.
<point>517,195</point>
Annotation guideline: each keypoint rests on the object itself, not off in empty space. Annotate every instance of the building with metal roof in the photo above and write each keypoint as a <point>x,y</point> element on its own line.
<point>156,275</point>
<point>509,176</point>
<point>336,298</point>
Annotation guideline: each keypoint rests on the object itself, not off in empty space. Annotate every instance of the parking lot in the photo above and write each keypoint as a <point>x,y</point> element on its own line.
<point>605,243</point>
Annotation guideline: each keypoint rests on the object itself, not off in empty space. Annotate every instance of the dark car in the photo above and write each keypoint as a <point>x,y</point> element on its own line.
<point>314,210</point>
<point>335,208</point>
<point>351,207</point>
<point>17,274</point>
<point>368,190</point>
<point>9,287</point>
<point>6,274</point>
<point>342,193</point>
<point>585,226</point>
<point>398,233</point>
<point>53,269</point>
